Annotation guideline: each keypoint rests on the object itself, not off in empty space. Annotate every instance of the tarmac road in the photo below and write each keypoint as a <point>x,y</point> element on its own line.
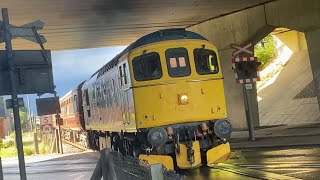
<point>266,163</point>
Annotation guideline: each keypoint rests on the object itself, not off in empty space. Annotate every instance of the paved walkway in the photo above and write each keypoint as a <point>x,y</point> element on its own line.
<point>77,166</point>
<point>277,103</point>
<point>278,136</point>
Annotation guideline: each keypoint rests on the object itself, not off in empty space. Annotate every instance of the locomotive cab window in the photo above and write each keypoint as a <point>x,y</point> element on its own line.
<point>147,67</point>
<point>178,62</point>
<point>206,61</point>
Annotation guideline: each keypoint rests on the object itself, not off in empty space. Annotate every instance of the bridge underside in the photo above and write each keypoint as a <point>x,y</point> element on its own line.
<point>74,24</point>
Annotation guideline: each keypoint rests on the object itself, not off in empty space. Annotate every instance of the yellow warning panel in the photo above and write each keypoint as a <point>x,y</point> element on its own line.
<point>182,159</point>
<point>218,154</point>
<point>167,161</point>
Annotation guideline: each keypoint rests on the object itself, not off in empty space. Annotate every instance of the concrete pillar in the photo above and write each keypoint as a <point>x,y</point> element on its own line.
<point>233,92</point>
<point>251,25</point>
<point>313,41</point>
<point>239,28</point>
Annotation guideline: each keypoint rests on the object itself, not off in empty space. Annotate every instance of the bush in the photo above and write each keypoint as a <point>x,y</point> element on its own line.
<point>8,142</point>
<point>28,151</point>
<point>8,152</point>
<point>44,148</point>
<point>265,50</point>
<point>12,135</point>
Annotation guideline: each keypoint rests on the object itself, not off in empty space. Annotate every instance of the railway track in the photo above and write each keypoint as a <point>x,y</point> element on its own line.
<point>74,145</point>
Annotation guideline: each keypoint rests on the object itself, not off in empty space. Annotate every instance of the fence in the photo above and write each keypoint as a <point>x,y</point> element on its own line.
<point>113,166</point>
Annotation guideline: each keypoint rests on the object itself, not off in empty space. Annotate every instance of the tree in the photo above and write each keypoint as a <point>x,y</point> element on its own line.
<point>23,118</point>
<point>265,50</point>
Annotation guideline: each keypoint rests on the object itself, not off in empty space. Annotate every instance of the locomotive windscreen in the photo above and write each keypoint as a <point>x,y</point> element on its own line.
<point>147,67</point>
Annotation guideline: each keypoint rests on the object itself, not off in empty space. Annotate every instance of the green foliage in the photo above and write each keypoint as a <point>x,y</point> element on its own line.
<point>27,136</point>
<point>44,148</point>
<point>12,135</point>
<point>8,152</point>
<point>23,118</point>
<point>7,143</point>
<point>28,151</point>
<point>265,50</point>
<point>7,148</point>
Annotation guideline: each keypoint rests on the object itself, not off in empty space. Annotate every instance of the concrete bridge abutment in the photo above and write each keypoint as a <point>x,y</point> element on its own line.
<point>313,42</point>
<point>252,25</point>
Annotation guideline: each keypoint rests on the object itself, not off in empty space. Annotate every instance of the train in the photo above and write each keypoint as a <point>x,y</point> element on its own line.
<point>161,100</point>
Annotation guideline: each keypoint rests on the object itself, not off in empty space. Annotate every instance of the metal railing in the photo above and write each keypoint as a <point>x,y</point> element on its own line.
<point>114,166</point>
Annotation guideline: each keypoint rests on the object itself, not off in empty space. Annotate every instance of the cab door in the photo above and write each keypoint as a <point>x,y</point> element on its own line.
<point>126,97</point>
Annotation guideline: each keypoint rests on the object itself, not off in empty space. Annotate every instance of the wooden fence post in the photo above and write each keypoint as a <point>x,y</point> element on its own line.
<point>57,141</point>
<point>36,143</point>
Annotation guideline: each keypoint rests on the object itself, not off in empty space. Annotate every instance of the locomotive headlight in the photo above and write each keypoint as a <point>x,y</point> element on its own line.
<point>157,136</point>
<point>183,99</point>
<point>222,128</point>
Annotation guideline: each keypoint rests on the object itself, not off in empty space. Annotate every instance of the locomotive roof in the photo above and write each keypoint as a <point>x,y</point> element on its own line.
<point>161,35</point>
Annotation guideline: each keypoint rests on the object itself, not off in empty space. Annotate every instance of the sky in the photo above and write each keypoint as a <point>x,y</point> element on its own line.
<point>71,67</point>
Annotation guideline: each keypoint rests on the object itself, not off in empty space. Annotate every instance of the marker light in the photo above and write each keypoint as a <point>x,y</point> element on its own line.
<point>170,131</point>
<point>183,99</point>
<point>204,127</point>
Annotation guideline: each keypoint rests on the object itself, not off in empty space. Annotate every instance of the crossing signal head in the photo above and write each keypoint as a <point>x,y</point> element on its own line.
<point>247,69</point>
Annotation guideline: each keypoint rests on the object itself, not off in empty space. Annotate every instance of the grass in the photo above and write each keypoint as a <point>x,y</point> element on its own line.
<point>28,148</point>
<point>44,148</point>
<point>8,148</point>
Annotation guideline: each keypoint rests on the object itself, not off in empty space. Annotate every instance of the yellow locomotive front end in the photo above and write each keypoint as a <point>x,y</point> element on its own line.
<point>180,103</point>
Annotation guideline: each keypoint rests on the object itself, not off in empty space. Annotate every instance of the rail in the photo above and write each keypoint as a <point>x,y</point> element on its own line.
<point>74,144</point>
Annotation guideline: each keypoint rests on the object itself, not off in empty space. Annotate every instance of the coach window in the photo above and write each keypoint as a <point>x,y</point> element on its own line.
<point>112,86</point>
<point>147,67</point>
<point>87,102</point>
<point>178,62</point>
<point>121,76</point>
<point>105,88</point>
<point>75,103</point>
<point>125,73</point>
<point>67,106</point>
<point>206,61</point>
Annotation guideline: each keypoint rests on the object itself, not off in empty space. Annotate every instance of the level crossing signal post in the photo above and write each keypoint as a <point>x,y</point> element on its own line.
<point>246,71</point>
<point>14,95</point>
<point>39,62</point>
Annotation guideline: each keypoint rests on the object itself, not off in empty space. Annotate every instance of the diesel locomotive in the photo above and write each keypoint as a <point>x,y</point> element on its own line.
<point>161,99</point>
